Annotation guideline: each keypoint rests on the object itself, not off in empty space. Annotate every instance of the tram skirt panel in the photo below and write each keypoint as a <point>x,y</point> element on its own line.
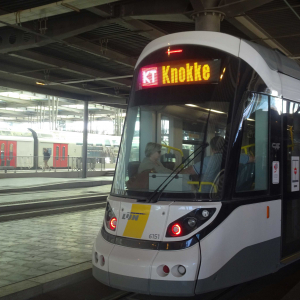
<point>246,245</point>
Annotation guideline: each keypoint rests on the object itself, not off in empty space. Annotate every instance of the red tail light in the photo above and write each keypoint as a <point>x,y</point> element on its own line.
<point>176,229</point>
<point>189,222</point>
<point>113,223</point>
<point>166,269</point>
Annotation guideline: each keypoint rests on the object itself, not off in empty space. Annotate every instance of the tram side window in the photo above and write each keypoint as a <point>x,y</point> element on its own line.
<point>253,162</point>
<point>291,112</point>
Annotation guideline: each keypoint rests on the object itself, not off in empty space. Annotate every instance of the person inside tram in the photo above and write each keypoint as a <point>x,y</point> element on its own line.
<point>212,164</point>
<point>152,160</point>
<point>46,158</point>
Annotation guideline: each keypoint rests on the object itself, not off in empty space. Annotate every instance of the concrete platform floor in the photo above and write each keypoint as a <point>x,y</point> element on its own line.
<point>41,245</point>
<point>21,183</point>
<point>62,194</point>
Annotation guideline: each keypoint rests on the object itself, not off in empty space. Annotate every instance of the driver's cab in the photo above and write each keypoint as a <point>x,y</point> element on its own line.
<point>179,102</point>
<point>179,132</point>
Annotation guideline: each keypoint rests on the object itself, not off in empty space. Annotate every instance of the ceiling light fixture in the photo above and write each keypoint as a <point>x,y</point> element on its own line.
<point>191,105</point>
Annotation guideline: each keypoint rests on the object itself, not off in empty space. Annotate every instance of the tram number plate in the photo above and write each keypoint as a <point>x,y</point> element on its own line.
<point>154,236</point>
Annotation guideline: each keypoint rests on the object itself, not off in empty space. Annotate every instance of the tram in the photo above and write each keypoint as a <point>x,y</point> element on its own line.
<point>215,215</point>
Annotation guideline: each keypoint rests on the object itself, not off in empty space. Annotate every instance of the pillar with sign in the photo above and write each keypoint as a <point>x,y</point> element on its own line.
<point>295,174</point>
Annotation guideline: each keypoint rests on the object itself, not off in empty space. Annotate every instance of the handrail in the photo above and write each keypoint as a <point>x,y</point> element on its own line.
<point>172,148</point>
<point>245,148</point>
<point>290,129</point>
<point>204,183</point>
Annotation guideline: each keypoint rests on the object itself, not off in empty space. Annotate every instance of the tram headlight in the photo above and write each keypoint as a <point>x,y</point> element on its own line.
<point>192,222</point>
<point>189,222</point>
<point>110,218</point>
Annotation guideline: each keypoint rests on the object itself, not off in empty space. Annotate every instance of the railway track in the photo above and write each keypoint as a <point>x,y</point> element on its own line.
<point>121,295</point>
<point>217,295</point>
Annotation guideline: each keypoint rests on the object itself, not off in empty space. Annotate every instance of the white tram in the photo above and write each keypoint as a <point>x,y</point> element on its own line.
<point>183,233</point>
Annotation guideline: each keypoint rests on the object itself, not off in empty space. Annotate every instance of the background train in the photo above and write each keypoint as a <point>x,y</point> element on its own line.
<point>18,149</point>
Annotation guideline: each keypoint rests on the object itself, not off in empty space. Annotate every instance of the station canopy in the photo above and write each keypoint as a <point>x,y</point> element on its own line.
<point>86,50</point>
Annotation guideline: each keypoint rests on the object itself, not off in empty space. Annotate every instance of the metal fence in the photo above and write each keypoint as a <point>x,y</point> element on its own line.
<point>57,164</point>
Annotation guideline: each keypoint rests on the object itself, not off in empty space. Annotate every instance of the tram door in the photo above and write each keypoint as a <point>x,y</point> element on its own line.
<point>8,152</point>
<point>291,192</point>
<point>60,155</point>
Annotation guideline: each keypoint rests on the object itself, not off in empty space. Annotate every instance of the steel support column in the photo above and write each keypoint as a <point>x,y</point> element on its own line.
<point>85,136</point>
<point>56,113</point>
<point>208,19</point>
<point>53,111</point>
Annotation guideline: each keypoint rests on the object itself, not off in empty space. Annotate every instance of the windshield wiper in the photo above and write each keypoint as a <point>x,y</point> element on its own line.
<point>154,197</point>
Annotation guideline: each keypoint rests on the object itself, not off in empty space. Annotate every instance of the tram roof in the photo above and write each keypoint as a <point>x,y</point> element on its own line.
<point>273,57</point>
<point>277,61</point>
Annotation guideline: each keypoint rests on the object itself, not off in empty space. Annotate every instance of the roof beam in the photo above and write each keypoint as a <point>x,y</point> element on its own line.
<point>103,100</point>
<point>43,90</point>
<point>57,30</point>
<point>69,66</point>
<point>62,94</point>
<point>153,7</point>
<point>254,31</point>
<point>98,51</point>
<point>142,28</point>
<point>63,30</point>
<point>39,77</point>
<point>230,8</point>
<point>49,10</point>
<point>181,18</point>
<point>154,10</point>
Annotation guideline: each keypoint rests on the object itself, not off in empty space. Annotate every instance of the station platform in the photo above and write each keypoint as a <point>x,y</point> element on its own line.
<point>59,173</point>
<point>43,253</point>
<point>14,185</point>
<point>30,197</point>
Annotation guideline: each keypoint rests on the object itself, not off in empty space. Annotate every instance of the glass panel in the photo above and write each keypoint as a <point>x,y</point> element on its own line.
<point>135,147</point>
<point>165,130</point>
<point>11,151</point>
<point>177,118</point>
<point>253,162</point>
<point>57,152</point>
<point>63,153</point>
<point>2,151</point>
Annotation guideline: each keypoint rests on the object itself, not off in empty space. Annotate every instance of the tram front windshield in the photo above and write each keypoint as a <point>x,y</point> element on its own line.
<point>180,101</point>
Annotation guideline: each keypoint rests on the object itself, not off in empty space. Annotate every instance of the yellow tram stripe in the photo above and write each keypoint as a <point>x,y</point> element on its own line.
<point>135,226</point>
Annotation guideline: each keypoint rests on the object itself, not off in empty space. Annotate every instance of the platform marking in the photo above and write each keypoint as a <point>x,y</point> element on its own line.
<point>136,225</point>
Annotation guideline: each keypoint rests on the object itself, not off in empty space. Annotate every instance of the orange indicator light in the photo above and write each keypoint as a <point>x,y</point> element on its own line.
<point>268,212</point>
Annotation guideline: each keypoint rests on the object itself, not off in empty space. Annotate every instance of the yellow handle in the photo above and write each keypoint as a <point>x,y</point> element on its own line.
<point>203,183</point>
<point>172,148</point>
<point>245,148</point>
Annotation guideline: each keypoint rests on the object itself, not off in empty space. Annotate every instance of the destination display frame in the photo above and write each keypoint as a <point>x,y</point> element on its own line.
<point>180,72</point>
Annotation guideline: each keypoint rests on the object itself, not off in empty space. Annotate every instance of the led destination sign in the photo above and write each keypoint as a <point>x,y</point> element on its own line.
<point>179,73</point>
